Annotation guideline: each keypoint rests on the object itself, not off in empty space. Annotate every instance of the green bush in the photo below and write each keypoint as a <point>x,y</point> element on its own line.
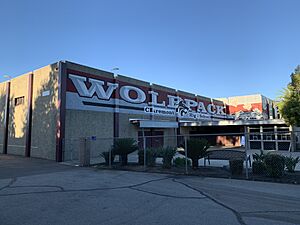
<point>236,166</point>
<point>291,163</point>
<point>167,155</point>
<point>259,157</point>
<point>180,162</point>
<point>141,156</point>
<point>196,149</point>
<point>275,165</point>
<point>123,147</point>
<point>105,155</point>
<point>151,155</point>
<point>258,165</point>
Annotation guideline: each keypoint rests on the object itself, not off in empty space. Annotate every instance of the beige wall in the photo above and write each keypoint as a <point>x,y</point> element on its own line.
<point>44,112</point>
<point>126,129</point>
<point>80,123</point>
<point>2,112</point>
<point>17,116</point>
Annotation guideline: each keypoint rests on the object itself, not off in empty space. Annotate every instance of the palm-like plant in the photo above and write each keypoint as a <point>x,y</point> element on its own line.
<point>290,163</point>
<point>123,147</point>
<point>258,165</point>
<point>196,149</point>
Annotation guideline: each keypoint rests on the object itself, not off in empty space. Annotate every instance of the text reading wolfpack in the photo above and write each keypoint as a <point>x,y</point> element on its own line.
<point>174,106</point>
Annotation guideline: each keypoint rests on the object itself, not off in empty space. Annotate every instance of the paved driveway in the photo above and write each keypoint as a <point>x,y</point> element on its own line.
<point>42,192</point>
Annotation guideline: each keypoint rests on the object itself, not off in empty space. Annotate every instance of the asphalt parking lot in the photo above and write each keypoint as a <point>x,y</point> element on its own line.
<point>34,191</point>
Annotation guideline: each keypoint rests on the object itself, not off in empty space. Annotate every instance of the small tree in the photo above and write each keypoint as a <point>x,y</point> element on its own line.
<point>168,154</point>
<point>196,149</point>
<point>274,165</point>
<point>289,105</point>
<point>123,147</point>
<point>290,163</point>
<point>258,164</point>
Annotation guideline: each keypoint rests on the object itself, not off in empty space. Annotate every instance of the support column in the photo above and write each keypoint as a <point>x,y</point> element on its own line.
<point>261,130</point>
<point>276,137</point>
<point>248,139</point>
<point>6,118</point>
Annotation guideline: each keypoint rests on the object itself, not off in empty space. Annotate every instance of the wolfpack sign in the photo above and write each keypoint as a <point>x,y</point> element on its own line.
<point>96,93</point>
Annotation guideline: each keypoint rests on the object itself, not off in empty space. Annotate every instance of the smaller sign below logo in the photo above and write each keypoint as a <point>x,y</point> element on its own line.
<point>46,93</point>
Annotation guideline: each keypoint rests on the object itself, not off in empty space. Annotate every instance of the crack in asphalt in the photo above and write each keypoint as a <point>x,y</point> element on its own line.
<point>236,213</point>
<point>276,211</point>
<point>165,195</point>
<point>37,186</point>
<point>62,190</point>
<point>12,181</point>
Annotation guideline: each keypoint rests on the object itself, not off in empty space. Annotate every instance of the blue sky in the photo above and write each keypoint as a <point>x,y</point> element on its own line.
<point>214,48</point>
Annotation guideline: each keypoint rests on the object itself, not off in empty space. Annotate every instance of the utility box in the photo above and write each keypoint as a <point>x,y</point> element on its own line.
<point>84,152</point>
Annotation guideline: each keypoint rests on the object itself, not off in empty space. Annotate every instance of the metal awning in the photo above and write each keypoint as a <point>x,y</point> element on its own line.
<point>144,123</point>
<point>231,123</point>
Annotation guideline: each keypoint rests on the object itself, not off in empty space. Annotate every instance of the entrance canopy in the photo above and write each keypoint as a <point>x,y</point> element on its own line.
<point>231,123</point>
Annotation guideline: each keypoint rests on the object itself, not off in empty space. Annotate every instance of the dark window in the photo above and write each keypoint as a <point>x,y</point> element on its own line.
<point>19,100</point>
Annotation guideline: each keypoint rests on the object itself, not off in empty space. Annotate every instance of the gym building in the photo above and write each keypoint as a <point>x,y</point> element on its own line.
<point>41,109</point>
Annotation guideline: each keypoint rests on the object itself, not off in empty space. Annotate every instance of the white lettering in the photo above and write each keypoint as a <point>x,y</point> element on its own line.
<point>201,108</point>
<point>211,108</point>
<point>220,110</point>
<point>190,103</point>
<point>154,99</point>
<point>96,87</point>
<point>173,101</point>
<point>124,93</point>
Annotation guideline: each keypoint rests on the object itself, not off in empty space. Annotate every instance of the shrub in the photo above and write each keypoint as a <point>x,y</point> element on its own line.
<point>275,165</point>
<point>196,149</point>
<point>141,156</point>
<point>236,166</point>
<point>291,163</point>
<point>180,162</point>
<point>258,165</point>
<point>151,155</point>
<point>105,155</point>
<point>259,157</point>
<point>123,147</point>
<point>167,155</point>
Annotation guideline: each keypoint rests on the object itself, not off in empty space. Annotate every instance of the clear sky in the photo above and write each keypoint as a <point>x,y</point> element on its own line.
<point>215,48</point>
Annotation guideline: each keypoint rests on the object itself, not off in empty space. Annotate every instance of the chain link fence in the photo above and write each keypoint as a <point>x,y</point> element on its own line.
<point>224,154</point>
